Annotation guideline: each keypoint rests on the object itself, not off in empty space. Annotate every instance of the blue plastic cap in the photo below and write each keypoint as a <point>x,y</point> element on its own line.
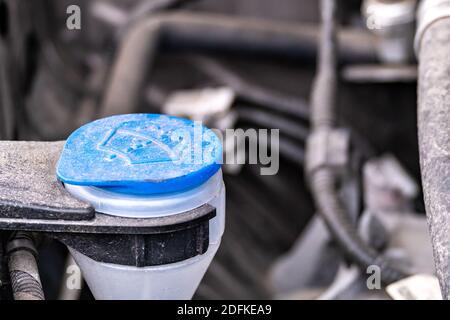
<point>140,154</point>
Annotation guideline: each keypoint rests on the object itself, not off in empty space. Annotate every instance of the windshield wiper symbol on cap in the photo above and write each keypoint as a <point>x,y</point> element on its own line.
<point>137,147</point>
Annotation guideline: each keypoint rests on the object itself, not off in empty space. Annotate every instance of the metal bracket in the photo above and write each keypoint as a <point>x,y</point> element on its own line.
<point>429,11</point>
<point>28,185</point>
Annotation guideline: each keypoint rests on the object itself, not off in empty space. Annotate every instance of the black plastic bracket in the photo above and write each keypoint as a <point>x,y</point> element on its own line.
<point>31,199</point>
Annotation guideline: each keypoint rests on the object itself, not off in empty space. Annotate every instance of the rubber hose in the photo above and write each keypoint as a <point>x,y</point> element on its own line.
<point>23,270</point>
<point>323,180</point>
<point>434,141</point>
<point>217,32</point>
<point>343,230</point>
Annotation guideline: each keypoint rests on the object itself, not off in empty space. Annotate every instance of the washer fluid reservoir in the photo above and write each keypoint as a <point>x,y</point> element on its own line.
<point>147,166</point>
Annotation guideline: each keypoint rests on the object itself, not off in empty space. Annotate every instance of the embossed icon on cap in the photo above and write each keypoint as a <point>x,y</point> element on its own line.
<point>137,147</point>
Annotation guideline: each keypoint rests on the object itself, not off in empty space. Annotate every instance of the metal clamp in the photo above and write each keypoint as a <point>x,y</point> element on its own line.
<point>429,11</point>
<point>328,148</point>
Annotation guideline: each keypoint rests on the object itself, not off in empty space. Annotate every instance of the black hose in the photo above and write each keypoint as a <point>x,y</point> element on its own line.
<point>342,227</point>
<point>23,270</point>
<point>288,149</point>
<point>273,121</point>
<point>206,31</point>
<point>323,180</point>
<point>250,92</point>
<point>325,84</point>
<point>434,141</point>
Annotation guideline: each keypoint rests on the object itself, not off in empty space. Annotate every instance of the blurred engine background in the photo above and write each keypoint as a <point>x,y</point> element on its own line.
<point>254,61</point>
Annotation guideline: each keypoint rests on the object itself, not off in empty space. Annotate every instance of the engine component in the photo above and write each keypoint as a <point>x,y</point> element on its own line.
<point>434,129</point>
<point>158,196</point>
<point>429,12</point>
<point>146,166</point>
<point>322,173</point>
<point>142,222</point>
<point>25,280</point>
<point>139,47</point>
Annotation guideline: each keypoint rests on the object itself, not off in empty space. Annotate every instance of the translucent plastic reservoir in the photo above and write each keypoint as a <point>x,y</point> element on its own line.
<point>145,166</point>
<point>171,281</point>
